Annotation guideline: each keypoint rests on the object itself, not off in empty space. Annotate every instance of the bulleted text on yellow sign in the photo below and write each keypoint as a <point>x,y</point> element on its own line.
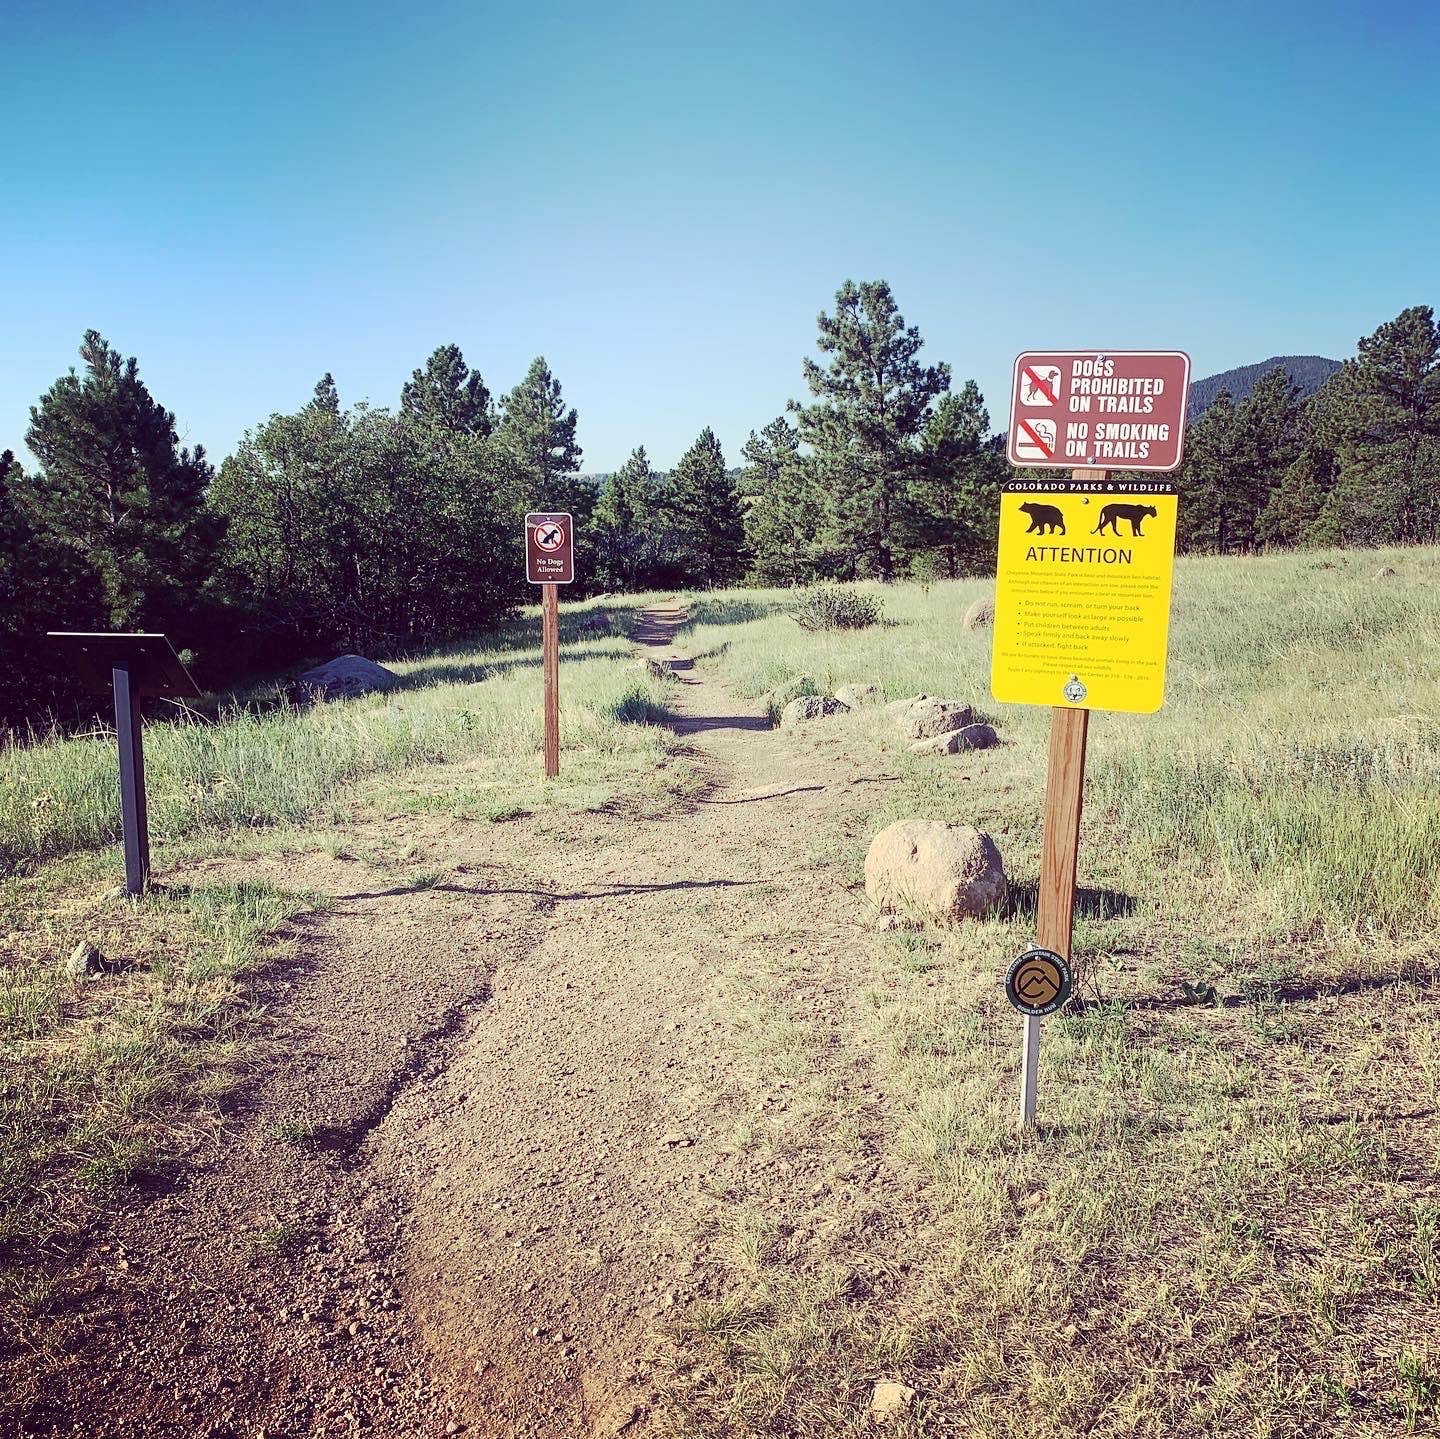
<point>1082,599</point>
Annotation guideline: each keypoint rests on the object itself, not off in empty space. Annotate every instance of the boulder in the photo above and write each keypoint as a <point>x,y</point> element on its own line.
<point>859,696</point>
<point>943,872</point>
<point>980,614</point>
<point>972,736</point>
<point>896,708</point>
<point>810,707</point>
<point>344,677</point>
<point>890,1400</point>
<point>933,717</point>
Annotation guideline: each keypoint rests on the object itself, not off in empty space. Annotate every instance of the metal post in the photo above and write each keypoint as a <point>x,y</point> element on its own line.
<point>134,823</point>
<point>551,651</point>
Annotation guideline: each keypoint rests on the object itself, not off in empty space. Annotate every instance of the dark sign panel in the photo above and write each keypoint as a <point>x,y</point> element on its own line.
<point>1099,409</point>
<point>549,549</point>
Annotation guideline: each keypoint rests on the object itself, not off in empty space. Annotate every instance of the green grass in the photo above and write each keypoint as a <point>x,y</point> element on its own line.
<point>262,762</point>
<point>1226,1223</point>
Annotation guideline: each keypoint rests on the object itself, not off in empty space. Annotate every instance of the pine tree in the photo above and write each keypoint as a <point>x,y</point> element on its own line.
<point>782,512</point>
<point>539,432</point>
<point>872,402</point>
<point>951,508</point>
<point>115,482</point>
<point>1385,429</point>
<point>630,526</point>
<point>449,394</point>
<point>706,514</point>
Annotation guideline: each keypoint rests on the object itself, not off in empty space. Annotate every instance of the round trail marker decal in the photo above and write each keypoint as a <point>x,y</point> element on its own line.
<point>1039,982</point>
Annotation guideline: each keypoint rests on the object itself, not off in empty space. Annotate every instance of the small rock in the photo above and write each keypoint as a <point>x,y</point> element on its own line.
<point>84,960</point>
<point>896,708</point>
<point>777,698</point>
<point>656,669</point>
<point>1386,572</point>
<point>858,696</point>
<point>454,1427</point>
<point>118,892</point>
<point>890,1400</point>
<point>675,1140</point>
<point>810,707</point>
<point>973,736</point>
<point>944,872</point>
<point>934,717</point>
<point>981,613</point>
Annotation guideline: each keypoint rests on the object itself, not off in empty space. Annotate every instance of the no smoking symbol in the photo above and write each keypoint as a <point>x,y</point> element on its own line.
<point>549,537</point>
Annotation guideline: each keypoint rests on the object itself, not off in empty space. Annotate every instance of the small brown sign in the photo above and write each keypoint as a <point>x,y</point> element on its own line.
<point>1099,409</point>
<point>549,549</point>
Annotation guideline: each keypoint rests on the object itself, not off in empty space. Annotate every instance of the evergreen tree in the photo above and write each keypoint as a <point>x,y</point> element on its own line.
<point>326,396</point>
<point>951,508</point>
<point>449,394</point>
<point>1384,424</point>
<point>705,512</point>
<point>539,432</point>
<point>633,526</point>
<point>115,483</point>
<point>782,512</point>
<point>872,401</point>
<point>44,585</point>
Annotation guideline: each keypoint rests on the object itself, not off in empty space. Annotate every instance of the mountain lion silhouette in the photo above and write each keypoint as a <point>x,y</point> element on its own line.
<point>1044,518</point>
<point>1111,516</point>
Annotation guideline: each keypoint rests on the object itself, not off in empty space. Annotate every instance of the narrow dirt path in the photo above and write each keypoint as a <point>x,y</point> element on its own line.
<point>487,1166</point>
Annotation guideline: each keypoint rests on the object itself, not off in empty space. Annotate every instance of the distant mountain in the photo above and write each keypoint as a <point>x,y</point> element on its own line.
<point>1309,372</point>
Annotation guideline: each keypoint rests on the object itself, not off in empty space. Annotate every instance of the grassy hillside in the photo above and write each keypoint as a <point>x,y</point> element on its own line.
<point>1228,1220</point>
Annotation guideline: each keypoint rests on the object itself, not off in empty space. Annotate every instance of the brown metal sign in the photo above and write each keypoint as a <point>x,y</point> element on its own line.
<point>549,549</point>
<point>1099,409</point>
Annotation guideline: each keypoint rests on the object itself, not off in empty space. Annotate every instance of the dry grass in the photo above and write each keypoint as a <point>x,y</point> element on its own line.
<point>1227,1223</point>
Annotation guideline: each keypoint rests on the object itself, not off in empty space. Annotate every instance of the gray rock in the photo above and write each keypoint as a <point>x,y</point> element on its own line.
<point>980,614</point>
<point>972,736</point>
<point>84,960</point>
<point>810,707</point>
<point>656,669</point>
<point>942,872</point>
<point>1386,572</point>
<point>934,717</point>
<point>344,677</point>
<point>897,708</point>
<point>777,698</point>
<point>858,696</point>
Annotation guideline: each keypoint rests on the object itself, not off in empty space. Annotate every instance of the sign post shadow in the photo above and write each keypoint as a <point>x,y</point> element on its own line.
<point>130,665</point>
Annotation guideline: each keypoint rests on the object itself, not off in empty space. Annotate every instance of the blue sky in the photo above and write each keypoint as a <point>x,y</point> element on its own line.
<point>661,197</point>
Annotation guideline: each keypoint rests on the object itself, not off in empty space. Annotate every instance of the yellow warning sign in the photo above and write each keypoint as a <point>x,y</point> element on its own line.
<point>1082,598</point>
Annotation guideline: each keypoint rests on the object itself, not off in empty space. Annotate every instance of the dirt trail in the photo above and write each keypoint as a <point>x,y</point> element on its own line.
<point>479,1176</point>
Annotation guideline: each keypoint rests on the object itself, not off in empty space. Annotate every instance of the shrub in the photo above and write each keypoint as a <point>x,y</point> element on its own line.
<point>828,607</point>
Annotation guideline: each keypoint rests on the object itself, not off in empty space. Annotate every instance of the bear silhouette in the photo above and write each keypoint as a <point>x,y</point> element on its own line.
<point>1043,518</point>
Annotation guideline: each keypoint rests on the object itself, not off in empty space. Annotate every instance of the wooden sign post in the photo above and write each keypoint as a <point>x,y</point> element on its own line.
<point>550,563</point>
<point>550,645</point>
<point>1082,602</point>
